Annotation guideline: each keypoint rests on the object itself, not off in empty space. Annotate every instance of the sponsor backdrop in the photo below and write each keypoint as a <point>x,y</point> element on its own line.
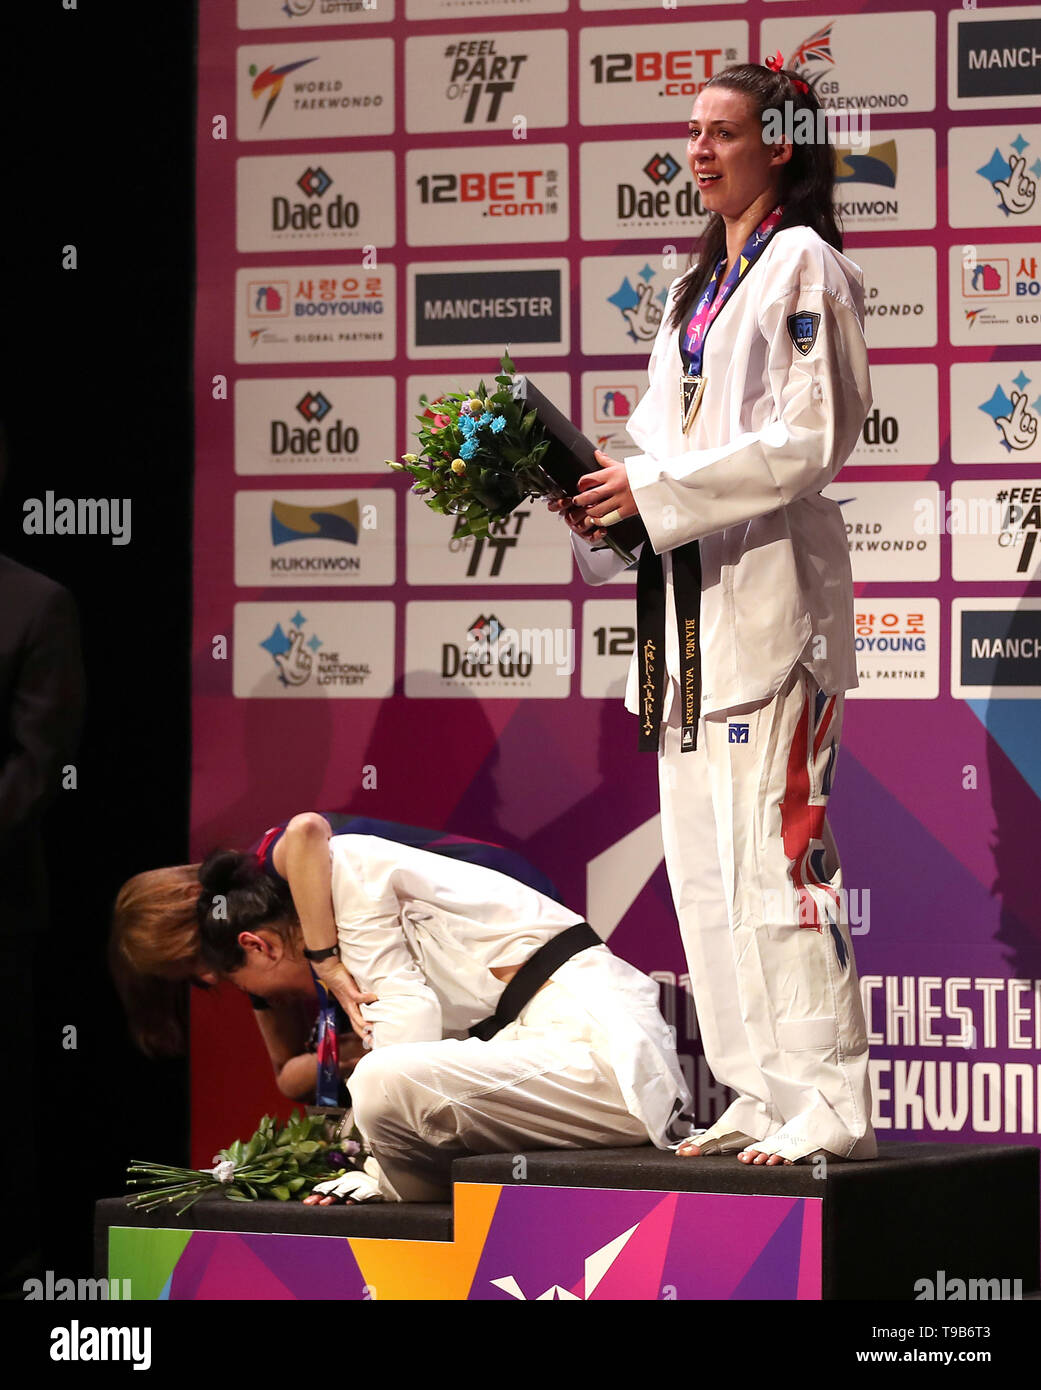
<point>389,193</point>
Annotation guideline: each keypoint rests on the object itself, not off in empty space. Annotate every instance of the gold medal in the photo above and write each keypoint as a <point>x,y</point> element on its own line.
<point>692,388</point>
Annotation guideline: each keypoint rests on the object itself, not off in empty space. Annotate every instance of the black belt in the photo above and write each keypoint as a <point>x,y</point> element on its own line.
<point>650,639</point>
<point>533,974</point>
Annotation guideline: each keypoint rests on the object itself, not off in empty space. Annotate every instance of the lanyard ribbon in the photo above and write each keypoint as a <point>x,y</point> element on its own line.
<point>686,559</point>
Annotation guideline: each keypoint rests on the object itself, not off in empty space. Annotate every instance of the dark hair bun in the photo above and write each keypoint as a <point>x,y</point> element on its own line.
<point>225,870</point>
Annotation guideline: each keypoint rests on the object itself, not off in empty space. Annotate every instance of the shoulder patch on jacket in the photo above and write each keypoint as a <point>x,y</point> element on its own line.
<point>802,329</point>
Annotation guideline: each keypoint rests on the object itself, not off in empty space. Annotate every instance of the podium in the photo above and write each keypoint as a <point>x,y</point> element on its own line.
<point>619,1224</point>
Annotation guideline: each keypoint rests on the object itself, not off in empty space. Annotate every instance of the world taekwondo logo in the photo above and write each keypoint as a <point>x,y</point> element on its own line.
<point>269,83</point>
<point>1010,178</point>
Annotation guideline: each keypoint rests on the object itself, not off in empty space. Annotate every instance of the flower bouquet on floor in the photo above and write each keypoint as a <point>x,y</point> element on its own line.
<point>483,454</point>
<point>280,1161</point>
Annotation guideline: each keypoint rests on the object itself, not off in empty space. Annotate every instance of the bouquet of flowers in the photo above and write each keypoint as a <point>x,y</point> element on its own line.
<point>280,1161</point>
<point>482,454</point>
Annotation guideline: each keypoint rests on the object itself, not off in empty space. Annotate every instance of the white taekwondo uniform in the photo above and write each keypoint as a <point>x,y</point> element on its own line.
<point>588,1062</point>
<point>771,968</point>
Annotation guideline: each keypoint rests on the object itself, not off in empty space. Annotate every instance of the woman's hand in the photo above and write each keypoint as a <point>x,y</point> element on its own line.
<point>603,494</point>
<point>340,983</point>
<point>574,516</point>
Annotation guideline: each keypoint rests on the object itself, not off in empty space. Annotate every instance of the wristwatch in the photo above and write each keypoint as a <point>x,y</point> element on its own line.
<point>323,954</point>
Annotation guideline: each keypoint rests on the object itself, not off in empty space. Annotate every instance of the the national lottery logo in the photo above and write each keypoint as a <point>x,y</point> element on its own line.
<point>641,304</point>
<point>480,75</point>
<point>293,650</point>
<point>1013,183</point>
<point>301,657</point>
<point>1015,416</point>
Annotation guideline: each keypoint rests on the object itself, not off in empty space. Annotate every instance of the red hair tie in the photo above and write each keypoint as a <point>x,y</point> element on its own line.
<point>801,85</point>
<point>776,63</point>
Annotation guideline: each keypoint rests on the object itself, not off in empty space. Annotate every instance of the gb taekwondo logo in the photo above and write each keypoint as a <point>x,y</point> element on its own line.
<point>1013,420</point>
<point>267,85</point>
<point>641,307</point>
<point>481,76</point>
<point>1010,179</point>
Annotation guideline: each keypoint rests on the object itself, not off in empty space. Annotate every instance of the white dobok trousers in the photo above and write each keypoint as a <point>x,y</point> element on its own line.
<point>757,887</point>
<point>543,1081</point>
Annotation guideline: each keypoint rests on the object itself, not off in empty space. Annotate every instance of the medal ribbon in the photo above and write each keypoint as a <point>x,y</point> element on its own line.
<point>686,559</point>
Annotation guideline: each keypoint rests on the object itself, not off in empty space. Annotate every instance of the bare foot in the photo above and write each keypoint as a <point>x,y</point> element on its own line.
<point>766,1160</point>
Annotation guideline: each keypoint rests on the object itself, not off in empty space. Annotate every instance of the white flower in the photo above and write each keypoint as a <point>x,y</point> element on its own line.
<point>224,1171</point>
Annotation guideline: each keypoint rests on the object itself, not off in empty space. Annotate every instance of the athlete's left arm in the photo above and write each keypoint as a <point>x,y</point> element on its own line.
<point>821,399</point>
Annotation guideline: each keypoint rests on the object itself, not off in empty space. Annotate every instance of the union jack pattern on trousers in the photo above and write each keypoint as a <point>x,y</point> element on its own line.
<point>811,765</point>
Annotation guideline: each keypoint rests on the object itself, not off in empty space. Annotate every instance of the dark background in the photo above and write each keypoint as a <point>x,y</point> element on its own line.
<point>95,395</point>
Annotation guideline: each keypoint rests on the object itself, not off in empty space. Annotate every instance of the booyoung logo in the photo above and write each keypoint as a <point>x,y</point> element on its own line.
<point>327,200</point>
<point>898,649</point>
<point>296,91</point>
<point>996,649</point>
<point>995,293</point>
<point>334,425</point>
<point>993,57</point>
<point>608,401</point>
<point>631,188</point>
<point>486,82</point>
<point>314,313</point>
<point>836,58</point>
<point>995,412</point>
<point>648,74</point>
<point>455,308</point>
<point>523,649</point>
<point>520,195</point>
<point>317,651</point>
<point>314,538</point>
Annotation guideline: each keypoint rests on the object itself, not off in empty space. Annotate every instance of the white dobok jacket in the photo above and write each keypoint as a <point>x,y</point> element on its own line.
<point>424,932</point>
<point>774,427</point>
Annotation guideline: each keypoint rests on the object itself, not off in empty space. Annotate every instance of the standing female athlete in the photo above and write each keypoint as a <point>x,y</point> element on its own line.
<point>758,391</point>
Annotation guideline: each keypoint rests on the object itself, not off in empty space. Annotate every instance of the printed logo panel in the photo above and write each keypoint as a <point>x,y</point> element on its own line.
<point>486,81</point>
<point>480,9</point>
<point>315,201</point>
<point>638,188</point>
<point>472,308</point>
<point>898,648</point>
<point>608,642</point>
<point>993,58</point>
<point>838,57</point>
<point>887,183</point>
<point>530,546</point>
<point>608,402</point>
<point>996,412</point>
<point>995,293</point>
<point>489,649</point>
<point>903,423</point>
<point>314,313</point>
<point>996,648</point>
<point>314,424</point>
<point>993,176</point>
<point>461,197</point>
<point>303,91</point>
<point>899,295</point>
<point>994,530</point>
<point>314,651</point>
<point>300,14</point>
<point>318,539</point>
<point>623,299</point>
<point>891,529</point>
<point>655,5</point>
<point>649,74</point>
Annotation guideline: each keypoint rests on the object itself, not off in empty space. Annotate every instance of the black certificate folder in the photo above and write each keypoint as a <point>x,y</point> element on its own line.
<point>571,455</point>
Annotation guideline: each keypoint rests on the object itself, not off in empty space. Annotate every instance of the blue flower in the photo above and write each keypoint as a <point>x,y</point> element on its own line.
<point>469,449</point>
<point>467,425</point>
<point>485,419</point>
<point>498,424</point>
